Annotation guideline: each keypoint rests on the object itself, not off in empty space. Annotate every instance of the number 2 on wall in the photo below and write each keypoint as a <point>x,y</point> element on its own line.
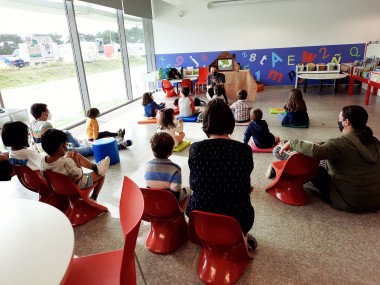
<point>324,52</point>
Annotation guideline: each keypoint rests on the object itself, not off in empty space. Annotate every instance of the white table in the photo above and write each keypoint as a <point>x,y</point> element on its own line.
<point>320,77</point>
<point>178,81</point>
<point>36,243</point>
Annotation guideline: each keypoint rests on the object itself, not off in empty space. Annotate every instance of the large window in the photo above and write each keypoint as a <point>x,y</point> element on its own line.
<point>38,64</point>
<point>136,53</point>
<point>100,46</point>
<point>37,72</point>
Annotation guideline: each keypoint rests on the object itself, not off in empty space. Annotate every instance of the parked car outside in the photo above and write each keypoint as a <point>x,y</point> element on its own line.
<point>13,61</point>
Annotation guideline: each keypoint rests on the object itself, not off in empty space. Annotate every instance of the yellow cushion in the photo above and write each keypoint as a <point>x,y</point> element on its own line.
<point>147,121</point>
<point>181,146</point>
<point>276,110</point>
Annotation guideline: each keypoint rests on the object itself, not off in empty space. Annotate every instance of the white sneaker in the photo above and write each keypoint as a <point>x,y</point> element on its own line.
<point>103,166</point>
<point>270,172</point>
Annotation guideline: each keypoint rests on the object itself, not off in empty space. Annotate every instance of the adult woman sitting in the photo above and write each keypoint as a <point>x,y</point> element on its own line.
<point>220,170</point>
<point>351,181</point>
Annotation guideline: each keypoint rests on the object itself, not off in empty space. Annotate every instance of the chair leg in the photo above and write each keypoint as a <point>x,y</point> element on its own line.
<point>79,212</point>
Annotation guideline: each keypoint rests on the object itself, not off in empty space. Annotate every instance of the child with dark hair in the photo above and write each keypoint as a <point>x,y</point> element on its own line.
<point>92,130</point>
<point>168,125</point>
<point>161,172</point>
<point>71,163</point>
<point>150,106</point>
<point>186,103</point>
<point>241,107</point>
<point>259,131</point>
<point>175,102</point>
<point>15,135</point>
<point>41,123</point>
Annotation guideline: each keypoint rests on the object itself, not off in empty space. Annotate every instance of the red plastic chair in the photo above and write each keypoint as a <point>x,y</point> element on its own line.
<point>168,227</point>
<point>186,82</point>
<point>113,267</point>
<point>291,174</point>
<point>202,80</point>
<point>81,208</point>
<point>168,88</point>
<point>224,254</point>
<point>34,181</point>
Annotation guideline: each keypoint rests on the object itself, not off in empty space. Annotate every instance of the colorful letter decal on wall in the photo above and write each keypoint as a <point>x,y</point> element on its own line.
<point>270,65</point>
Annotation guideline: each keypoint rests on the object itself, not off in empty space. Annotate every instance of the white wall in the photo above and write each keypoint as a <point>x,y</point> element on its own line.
<point>263,25</point>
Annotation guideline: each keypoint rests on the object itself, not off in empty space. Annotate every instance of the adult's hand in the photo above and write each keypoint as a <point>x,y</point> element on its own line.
<point>285,147</point>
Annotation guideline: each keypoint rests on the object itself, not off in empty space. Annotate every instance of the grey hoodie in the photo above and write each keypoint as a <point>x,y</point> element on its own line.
<point>354,169</point>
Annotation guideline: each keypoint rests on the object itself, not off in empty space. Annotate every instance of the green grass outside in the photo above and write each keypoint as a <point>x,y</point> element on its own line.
<point>79,116</point>
<point>36,74</point>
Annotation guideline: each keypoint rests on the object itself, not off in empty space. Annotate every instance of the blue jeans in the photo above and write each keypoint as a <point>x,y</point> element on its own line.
<point>83,150</point>
<point>70,139</point>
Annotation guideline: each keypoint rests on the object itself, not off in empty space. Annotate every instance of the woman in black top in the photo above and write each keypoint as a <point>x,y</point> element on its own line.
<point>220,169</point>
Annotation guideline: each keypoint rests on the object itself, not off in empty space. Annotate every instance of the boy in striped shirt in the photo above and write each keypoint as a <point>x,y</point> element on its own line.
<point>161,172</point>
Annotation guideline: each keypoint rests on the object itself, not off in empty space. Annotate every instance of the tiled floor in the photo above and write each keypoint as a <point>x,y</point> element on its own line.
<point>311,244</point>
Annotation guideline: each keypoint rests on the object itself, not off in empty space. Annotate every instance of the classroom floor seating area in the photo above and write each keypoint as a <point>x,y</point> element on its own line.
<point>307,244</point>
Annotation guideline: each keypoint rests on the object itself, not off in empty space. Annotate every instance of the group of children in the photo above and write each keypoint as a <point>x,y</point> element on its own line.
<point>54,153</point>
<point>57,158</point>
<point>161,172</point>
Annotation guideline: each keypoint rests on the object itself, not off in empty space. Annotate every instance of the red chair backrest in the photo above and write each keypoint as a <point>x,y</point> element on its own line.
<point>203,73</point>
<point>62,184</point>
<point>166,84</point>
<point>299,164</point>
<point>186,82</point>
<point>160,203</point>
<point>31,179</point>
<point>214,228</point>
<point>131,210</point>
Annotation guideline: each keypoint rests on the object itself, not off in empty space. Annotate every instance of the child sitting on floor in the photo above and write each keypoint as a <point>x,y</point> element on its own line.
<point>161,172</point>
<point>150,106</point>
<point>168,125</point>
<point>57,160</point>
<point>186,104</point>
<point>259,131</point>
<point>241,107</point>
<point>296,111</point>
<point>92,130</point>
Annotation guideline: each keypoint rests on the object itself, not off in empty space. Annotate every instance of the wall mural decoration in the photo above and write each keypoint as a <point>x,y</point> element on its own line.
<point>270,66</point>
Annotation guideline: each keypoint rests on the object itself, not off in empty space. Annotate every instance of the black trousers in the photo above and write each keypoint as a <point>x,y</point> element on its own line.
<point>322,183</point>
<point>106,134</point>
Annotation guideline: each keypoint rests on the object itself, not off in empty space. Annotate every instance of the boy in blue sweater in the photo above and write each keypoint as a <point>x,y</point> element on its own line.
<point>259,131</point>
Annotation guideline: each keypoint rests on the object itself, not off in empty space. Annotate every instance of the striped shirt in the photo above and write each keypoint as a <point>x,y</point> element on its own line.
<point>163,174</point>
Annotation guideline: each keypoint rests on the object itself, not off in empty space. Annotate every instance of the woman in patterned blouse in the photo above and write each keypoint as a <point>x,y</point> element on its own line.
<point>220,170</point>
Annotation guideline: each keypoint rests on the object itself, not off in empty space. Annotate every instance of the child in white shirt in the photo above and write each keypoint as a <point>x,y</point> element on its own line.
<point>168,125</point>
<point>70,164</point>
<point>15,135</point>
<point>186,104</point>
